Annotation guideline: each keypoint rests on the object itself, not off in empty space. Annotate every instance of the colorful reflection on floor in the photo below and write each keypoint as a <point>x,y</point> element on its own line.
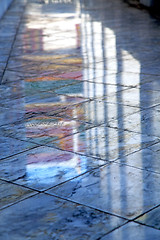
<point>79,117</point>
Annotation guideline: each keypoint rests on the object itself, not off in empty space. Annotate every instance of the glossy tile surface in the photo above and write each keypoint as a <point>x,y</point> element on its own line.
<point>42,129</point>
<point>45,167</point>
<point>11,193</point>
<point>151,218</point>
<point>135,97</point>
<point>149,119</point>
<point>105,143</point>
<point>133,231</point>
<point>115,188</point>
<point>79,121</point>
<point>98,111</point>
<point>147,159</point>
<point>10,146</point>
<point>37,214</point>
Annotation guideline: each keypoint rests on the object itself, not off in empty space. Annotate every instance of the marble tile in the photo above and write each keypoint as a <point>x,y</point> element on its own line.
<point>40,217</point>
<point>15,64</point>
<point>9,92</point>
<point>2,66</point>
<point>17,103</point>
<point>123,78</point>
<point>41,129</point>
<point>153,85</point>
<point>60,59</point>
<point>74,89</point>
<point>4,57</point>
<point>74,66</point>
<point>132,231</point>
<point>115,188</point>
<point>58,103</point>
<point>100,90</point>
<point>145,122</point>
<point>51,68</point>
<point>125,64</point>
<point>42,84</point>
<point>8,116</point>
<point>14,76</point>
<point>96,70</point>
<point>105,143</point>
<point>10,146</point>
<point>45,167</point>
<point>39,101</point>
<point>137,98</point>
<point>42,98</point>
<point>11,193</point>
<point>149,69</point>
<point>147,158</point>
<point>98,111</point>
<point>151,218</point>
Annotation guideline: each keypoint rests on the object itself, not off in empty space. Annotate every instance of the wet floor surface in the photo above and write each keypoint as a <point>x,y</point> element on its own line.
<point>79,121</point>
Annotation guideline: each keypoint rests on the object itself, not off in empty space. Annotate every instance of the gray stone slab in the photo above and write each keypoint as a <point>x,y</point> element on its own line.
<point>118,189</point>
<point>45,167</point>
<point>40,217</point>
<point>132,231</point>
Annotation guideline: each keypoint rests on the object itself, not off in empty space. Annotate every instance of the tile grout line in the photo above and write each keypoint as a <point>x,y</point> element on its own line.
<point>21,152</point>
<point>151,209</point>
<point>13,41</point>
<point>75,202</point>
<point>19,201</point>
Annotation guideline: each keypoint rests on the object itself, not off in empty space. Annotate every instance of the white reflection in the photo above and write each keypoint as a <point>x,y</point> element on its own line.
<point>49,172</point>
<point>101,58</point>
<point>130,65</point>
<point>110,49</point>
<point>57,1</point>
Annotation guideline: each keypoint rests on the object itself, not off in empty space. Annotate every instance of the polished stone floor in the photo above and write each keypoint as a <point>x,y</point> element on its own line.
<point>79,121</point>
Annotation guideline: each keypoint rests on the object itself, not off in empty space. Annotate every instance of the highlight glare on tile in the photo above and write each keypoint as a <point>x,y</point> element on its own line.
<point>79,121</point>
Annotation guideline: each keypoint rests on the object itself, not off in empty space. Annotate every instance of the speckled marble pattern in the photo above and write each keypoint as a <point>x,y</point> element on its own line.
<point>39,212</point>
<point>98,111</point>
<point>11,193</point>
<point>115,188</point>
<point>149,119</point>
<point>147,159</point>
<point>45,167</point>
<point>105,143</point>
<point>11,146</point>
<point>10,116</point>
<point>42,129</point>
<point>135,97</point>
<point>79,121</point>
<point>132,231</point>
<point>151,218</point>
